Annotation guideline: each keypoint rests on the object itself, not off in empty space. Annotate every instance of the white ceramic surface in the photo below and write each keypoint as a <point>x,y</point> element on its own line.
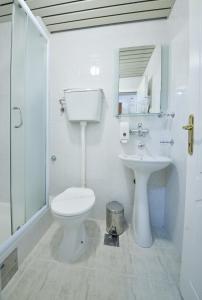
<point>73,202</point>
<point>84,105</point>
<point>71,66</point>
<point>179,79</point>
<point>143,166</point>
<point>70,209</point>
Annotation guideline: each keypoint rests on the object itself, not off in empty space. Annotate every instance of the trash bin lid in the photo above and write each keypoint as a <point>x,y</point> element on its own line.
<point>115,207</point>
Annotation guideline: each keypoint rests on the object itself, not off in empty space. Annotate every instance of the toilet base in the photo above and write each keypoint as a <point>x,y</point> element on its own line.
<point>73,243</point>
<point>74,239</point>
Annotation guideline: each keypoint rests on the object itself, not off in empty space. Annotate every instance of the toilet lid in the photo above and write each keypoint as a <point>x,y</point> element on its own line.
<point>73,201</point>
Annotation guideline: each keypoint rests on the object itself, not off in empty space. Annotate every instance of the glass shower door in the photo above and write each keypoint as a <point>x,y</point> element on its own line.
<point>19,32</point>
<point>28,118</point>
<point>35,121</point>
<point>5,60</point>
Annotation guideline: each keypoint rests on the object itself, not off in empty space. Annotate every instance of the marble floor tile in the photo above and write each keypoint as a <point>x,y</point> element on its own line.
<point>127,272</point>
<point>39,280</point>
<point>76,284</point>
<point>47,250</point>
<point>94,228</point>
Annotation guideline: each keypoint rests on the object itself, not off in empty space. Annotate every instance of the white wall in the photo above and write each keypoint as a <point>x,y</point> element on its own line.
<point>72,56</point>
<point>5,46</point>
<point>179,74</point>
<point>129,84</point>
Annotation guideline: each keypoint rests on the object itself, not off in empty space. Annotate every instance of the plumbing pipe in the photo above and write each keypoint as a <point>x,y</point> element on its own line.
<point>83,153</point>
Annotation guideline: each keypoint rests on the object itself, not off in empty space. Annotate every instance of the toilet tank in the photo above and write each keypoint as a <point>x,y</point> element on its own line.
<point>84,105</point>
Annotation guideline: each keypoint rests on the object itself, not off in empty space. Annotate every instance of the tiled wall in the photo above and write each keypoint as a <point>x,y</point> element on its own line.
<point>179,74</point>
<point>72,56</point>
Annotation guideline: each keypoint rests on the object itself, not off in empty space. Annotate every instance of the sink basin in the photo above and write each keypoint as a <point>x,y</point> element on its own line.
<point>143,166</point>
<point>145,163</point>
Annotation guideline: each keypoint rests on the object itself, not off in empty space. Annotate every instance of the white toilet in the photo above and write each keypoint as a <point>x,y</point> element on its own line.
<point>72,207</point>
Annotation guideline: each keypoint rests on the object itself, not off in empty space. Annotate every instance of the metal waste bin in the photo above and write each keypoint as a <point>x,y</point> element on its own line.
<point>115,222</point>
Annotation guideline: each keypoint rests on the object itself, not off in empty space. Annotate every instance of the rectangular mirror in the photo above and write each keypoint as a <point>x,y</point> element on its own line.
<point>142,80</point>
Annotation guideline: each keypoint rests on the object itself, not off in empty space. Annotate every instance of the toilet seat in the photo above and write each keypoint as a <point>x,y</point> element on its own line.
<point>73,202</point>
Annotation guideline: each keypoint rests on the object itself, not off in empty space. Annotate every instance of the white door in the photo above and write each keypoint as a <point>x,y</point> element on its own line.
<point>191,271</point>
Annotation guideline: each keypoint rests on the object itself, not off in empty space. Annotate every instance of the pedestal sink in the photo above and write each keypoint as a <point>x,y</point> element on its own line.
<point>143,166</point>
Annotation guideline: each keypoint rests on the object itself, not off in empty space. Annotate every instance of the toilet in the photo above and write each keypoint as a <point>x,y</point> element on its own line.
<point>70,209</point>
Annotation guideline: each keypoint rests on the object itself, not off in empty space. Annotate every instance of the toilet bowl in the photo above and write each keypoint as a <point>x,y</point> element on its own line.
<point>70,209</point>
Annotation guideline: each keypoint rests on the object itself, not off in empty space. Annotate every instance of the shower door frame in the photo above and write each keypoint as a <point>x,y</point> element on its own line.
<point>45,35</point>
<point>12,240</point>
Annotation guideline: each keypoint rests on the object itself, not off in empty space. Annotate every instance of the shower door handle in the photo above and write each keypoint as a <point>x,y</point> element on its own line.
<point>20,114</point>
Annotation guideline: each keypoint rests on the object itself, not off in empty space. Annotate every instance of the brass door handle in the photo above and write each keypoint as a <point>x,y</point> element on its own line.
<point>188,127</point>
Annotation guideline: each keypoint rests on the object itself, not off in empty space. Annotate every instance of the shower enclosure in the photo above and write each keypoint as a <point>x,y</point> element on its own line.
<point>23,108</point>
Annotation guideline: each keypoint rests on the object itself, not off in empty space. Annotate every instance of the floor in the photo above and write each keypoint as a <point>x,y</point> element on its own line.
<point>5,221</point>
<point>103,273</point>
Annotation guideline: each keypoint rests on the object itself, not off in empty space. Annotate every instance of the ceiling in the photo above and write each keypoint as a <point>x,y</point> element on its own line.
<point>133,61</point>
<point>62,15</point>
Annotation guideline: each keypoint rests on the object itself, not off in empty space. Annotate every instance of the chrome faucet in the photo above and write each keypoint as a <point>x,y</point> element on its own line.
<point>140,131</point>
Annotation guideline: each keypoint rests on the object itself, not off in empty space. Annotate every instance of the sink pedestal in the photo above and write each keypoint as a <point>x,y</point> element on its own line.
<point>143,166</point>
<point>141,216</point>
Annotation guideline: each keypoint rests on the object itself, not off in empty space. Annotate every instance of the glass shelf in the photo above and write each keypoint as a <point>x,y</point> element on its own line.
<point>137,115</point>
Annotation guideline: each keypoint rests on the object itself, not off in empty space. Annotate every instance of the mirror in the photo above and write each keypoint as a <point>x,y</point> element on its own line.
<point>142,80</point>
